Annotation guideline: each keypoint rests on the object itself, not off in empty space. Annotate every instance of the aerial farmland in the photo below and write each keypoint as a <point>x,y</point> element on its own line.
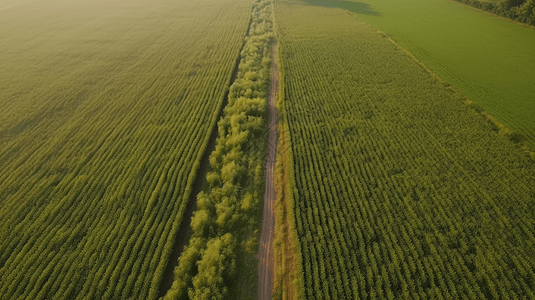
<point>267,149</point>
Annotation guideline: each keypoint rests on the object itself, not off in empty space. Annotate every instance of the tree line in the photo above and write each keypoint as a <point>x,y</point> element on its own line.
<point>225,223</point>
<point>518,10</point>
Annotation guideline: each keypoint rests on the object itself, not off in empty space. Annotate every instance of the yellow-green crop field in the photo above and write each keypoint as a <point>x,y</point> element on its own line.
<point>391,184</point>
<point>106,111</point>
<point>400,190</point>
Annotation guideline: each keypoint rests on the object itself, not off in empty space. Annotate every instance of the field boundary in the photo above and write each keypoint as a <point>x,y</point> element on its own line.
<point>218,260</point>
<point>184,229</point>
<point>284,244</point>
<point>288,281</point>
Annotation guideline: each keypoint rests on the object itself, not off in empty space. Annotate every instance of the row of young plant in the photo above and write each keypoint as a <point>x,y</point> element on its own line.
<point>225,223</point>
<point>93,212</point>
<point>399,189</point>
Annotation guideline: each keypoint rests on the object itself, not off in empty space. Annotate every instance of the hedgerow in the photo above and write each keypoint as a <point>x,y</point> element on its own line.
<point>518,10</point>
<point>226,217</point>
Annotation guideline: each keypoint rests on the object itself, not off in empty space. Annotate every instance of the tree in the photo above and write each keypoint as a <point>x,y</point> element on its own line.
<point>215,267</point>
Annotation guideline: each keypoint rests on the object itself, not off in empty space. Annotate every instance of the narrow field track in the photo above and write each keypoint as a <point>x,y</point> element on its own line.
<point>265,263</point>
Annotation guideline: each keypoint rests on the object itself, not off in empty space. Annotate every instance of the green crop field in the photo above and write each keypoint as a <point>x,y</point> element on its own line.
<point>400,190</point>
<point>106,110</point>
<point>137,160</point>
<point>489,58</point>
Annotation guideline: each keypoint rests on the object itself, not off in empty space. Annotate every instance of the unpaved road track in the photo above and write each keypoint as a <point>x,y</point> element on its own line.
<point>265,262</point>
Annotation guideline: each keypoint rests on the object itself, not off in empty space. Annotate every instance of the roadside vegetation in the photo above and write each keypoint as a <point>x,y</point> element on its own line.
<point>107,108</point>
<point>400,189</point>
<point>225,227</point>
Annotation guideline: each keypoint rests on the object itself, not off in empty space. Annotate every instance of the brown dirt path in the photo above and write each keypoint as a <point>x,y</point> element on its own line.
<point>265,262</point>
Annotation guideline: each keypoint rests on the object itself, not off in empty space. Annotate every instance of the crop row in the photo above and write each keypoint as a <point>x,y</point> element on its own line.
<point>92,211</point>
<point>401,190</point>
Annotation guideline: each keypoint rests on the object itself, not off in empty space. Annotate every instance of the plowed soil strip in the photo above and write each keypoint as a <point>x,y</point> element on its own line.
<point>265,263</point>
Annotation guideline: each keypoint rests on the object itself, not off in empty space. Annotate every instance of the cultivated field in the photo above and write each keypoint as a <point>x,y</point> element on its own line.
<point>121,177</point>
<point>489,58</point>
<point>107,107</point>
<point>399,189</point>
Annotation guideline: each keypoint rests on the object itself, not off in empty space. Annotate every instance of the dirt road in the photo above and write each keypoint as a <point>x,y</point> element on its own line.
<point>265,263</point>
